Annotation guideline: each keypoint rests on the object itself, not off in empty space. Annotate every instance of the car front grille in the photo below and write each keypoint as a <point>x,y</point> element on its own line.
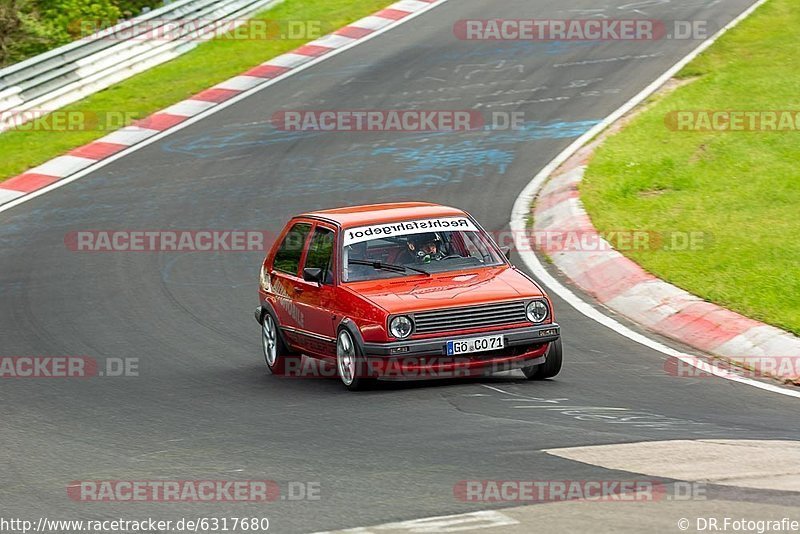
<point>450,319</point>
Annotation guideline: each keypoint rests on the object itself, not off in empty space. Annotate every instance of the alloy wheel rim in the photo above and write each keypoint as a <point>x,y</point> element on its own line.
<point>268,339</point>
<point>346,358</point>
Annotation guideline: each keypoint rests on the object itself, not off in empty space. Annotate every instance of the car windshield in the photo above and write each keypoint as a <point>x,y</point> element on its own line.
<point>414,248</point>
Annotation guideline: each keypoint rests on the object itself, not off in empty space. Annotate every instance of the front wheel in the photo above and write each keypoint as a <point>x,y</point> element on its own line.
<point>349,362</point>
<point>551,365</point>
<point>276,354</point>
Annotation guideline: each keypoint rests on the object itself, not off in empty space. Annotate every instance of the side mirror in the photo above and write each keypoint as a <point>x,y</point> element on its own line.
<point>312,275</point>
<point>506,252</point>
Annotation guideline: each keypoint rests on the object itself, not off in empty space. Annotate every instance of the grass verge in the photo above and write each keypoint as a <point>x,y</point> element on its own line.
<point>741,189</point>
<point>176,80</point>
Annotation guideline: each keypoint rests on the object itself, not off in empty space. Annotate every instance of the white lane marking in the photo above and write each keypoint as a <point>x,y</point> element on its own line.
<point>516,399</point>
<point>602,408</point>
<point>443,523</point>
<point>521,210</point>
<point>219,107</point>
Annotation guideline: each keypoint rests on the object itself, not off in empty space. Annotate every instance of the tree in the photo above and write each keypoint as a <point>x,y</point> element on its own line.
<point>30,27</point>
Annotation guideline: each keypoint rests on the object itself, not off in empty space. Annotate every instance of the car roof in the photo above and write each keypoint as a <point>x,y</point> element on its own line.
<point>384,213</point>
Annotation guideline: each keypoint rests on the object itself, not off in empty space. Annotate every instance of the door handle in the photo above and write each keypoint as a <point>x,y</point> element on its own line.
<point>298,289</point>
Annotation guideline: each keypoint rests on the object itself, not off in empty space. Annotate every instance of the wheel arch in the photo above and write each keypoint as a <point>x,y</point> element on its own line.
<point>350,325</point>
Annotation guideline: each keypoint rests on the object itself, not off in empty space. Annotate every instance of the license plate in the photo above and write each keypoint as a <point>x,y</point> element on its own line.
<point>475,344</point>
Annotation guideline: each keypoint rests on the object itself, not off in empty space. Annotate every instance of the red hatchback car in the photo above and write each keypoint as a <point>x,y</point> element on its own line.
<point>401,291</point>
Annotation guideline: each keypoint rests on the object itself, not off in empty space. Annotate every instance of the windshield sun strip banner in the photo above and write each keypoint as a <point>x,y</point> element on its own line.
<point>400,228</point>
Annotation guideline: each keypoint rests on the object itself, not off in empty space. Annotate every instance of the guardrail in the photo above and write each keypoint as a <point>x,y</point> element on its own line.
<point>64,75</point>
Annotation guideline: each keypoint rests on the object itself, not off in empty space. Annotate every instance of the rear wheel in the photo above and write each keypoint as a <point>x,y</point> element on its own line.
<point>551,365</point>
<point>277,356</point>
<point>349,362</point>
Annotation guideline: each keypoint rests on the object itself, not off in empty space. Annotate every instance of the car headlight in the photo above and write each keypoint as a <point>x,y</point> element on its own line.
<point>537,311</point>
<point>401,327</point>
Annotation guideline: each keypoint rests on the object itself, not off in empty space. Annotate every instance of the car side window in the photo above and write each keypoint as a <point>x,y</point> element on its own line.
<point>287,259</point>
<point>320,253</point>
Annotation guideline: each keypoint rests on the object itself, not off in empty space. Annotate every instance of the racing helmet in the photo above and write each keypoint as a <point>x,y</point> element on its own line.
<point>426,245</point>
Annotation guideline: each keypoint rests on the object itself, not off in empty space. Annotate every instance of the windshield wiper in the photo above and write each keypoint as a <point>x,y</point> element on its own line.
<point>389,266</point>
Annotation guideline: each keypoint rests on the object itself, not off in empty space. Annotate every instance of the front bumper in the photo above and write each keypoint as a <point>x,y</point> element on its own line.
<point>517,337</point>
<point>427,358</point>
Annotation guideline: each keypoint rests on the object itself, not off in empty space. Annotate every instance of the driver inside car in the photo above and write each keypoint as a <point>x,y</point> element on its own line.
<point>423,248</point>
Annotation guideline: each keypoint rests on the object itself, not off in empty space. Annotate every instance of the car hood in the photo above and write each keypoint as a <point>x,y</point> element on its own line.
<point>445,290</point>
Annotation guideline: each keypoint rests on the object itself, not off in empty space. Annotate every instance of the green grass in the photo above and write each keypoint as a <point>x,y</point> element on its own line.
<point>741,188</point>
<point>203,67</point>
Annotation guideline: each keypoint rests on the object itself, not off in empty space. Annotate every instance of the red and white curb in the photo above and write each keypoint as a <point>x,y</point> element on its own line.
<point>623,286</point>
<point>739,338</point>
<point>104,148</point>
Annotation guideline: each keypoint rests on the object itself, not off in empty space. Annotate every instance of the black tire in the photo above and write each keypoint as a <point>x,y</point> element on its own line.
<point>551,366</point>
<point>350,364</point>
<point>282,359</point>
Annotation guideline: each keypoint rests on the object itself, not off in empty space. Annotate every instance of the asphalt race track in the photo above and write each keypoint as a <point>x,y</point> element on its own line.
<point>203,405</point>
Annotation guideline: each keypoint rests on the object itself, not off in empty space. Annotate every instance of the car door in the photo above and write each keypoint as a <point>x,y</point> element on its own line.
<point>316,299</point>
<point>285,277</point>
